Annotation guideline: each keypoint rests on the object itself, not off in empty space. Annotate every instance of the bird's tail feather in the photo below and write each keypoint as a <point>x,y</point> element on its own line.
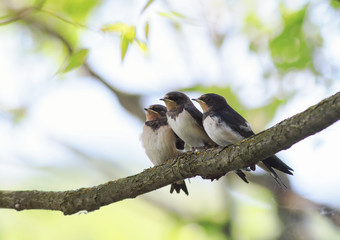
<point>178,186</point>
<point>275,162</point>
<point>242,175</point>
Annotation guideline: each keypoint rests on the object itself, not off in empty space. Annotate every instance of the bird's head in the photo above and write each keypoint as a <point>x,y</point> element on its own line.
<point>211,100</point>
<point>173,100</point>
<point>154,112</point>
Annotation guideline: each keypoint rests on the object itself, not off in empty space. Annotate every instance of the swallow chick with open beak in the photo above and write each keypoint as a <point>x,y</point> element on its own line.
<point>225,126</point>
<point>160,142</point>
<point>186,121</point>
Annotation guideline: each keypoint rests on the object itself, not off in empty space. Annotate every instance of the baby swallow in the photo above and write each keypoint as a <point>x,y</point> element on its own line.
<point>225,126</point>
<point>160,142</point>
<point>186,121</point>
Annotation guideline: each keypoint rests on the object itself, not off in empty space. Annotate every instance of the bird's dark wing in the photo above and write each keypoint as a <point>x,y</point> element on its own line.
<point>179,143</point>
<point>195,113</point>
<point>236,122</point>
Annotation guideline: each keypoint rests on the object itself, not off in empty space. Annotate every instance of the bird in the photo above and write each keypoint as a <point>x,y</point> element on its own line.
<point>225,126</point>
<point>186,121</point>
<point>160,142</point>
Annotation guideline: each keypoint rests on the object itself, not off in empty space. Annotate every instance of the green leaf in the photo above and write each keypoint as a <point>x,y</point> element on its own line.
<point>146,30</point>
<point>177,14</point>
<point>335,3</point>
<point>127,31</point>
<point>142,46</point>
<point>77,10</point>
<point>290,49</point>
<point>147,5</point>
<point>172,15</point>
<point>75,60</point>
<point>124,46</point>
<point>130,33</point>
<point>253,20</point>
<point>127,35</point>
<point>177,19</point>
<point>115,27</point>
<point>62,17</point>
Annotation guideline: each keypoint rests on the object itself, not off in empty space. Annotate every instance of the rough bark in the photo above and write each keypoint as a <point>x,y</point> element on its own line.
<point>207,164</point>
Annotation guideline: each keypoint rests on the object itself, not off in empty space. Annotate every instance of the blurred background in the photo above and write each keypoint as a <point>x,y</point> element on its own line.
<point>76,74</point>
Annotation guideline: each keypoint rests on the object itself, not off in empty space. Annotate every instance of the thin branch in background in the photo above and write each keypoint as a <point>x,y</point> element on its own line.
<point>76,24</point>
<point>10,20</point>
<point>131,102</point>
<point>18,15</point>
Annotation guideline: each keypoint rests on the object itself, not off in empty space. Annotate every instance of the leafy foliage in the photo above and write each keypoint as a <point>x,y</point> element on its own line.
<point>75,60</point>
<point>76,10</point>
<point>335,3</point>
<point>127,35</point>
<point>290,49</point>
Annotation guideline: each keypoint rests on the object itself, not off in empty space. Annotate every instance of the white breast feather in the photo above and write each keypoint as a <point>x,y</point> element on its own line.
<point>220,132</point>
<point>160,145</point>
<point>190,132</point>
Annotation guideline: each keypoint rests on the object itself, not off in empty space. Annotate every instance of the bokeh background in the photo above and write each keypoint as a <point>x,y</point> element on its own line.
<point>76,74</point>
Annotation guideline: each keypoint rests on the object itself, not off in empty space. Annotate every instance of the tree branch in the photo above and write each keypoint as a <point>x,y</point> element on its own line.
<point>207,164</point>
